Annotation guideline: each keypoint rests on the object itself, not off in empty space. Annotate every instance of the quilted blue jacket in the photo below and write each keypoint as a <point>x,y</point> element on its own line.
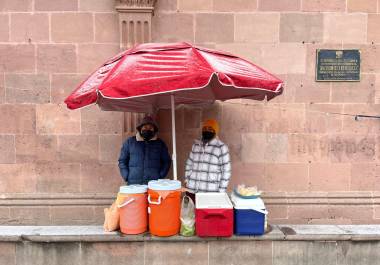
<point>142,161</point>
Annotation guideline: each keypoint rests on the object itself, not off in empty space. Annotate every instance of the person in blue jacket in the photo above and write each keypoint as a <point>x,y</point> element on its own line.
<point>144,157</point>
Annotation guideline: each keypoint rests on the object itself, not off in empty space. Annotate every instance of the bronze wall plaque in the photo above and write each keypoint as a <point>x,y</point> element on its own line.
<point>338,65</point>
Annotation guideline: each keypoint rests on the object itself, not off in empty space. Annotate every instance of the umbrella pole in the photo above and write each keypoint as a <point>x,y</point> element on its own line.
<point>174,139</point>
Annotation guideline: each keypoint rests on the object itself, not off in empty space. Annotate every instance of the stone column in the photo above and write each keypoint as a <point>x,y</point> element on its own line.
<point>135,19</point>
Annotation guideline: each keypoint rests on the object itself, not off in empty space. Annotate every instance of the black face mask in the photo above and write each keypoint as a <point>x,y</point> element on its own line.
<point>147,134</point>
<point>207,136</point>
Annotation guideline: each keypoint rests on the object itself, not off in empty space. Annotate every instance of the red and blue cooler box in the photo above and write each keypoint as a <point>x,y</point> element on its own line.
<point>250,215</point>
<point>214,214</point>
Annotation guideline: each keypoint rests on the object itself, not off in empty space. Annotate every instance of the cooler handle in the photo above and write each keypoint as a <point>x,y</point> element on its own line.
<point>214,215</point>
<point>125,203</point>
<point>153,202</point>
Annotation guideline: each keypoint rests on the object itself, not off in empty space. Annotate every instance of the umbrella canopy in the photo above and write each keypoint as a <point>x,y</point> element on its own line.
<point>154,76</point>
<point>141,78</point>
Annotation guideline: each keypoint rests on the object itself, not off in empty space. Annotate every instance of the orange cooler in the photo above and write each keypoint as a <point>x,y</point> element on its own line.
<point>164,197</point>
<point>133,204</point>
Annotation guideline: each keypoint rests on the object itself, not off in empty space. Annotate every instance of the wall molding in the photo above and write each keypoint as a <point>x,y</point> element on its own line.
<point>283,198</point>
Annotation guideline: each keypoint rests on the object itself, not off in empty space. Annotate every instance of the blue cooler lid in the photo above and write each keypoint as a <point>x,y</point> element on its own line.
<point>133,189</point>
<point>164,184</point>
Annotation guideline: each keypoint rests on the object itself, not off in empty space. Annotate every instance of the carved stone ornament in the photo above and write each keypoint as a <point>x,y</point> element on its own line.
<point>135,5</point>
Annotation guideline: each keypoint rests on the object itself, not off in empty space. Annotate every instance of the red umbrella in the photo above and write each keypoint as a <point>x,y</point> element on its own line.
<point>153,76</point>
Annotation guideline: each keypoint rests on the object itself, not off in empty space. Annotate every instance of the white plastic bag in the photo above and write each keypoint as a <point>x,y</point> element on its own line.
<point>187,217</point>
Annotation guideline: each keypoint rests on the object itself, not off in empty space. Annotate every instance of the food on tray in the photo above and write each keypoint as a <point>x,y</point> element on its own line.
<point>248,191</point>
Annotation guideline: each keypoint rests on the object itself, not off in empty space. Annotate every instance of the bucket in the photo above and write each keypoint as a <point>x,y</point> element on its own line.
<point>164,197</point>
<point>132,202</point>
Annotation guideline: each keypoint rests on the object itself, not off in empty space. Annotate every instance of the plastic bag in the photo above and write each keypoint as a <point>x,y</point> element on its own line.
<point>187,217</point>
<point>111,218</point>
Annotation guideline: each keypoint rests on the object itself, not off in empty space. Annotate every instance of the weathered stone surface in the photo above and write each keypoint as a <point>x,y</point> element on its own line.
<point>173,27</point>
<point>35,148</point>
<point>364,6</point>
<point>257,27</point>
<point>113,253</point>
<point>295,27</point>
<point>4,27</point>
<point>361,125</point>
<point>323,6</point>
<point>57,119</point>
<point>7,149</point>
<point>72,27</point>
<point>280,119</point>
<point>17,58</point>
<point>58,177</point>
<point>30,216</point>
<point>299,253</point>
<point>172,252</point>
<point>57,5</point>
<point>346,28</point>
<point>78,148</point>
<point>213,27</point>
<point>72,215</point>
<point>373,29</point>
<point>12,122</point>
<point>251,174</point>
<point>355,92</point>
<point>100,178</point>
<point>27,88</point>
<point>304,148</point>
<point>235,6</point>
<point>306,90</point>
<point>48,253</point>
<point>17,178</point>
<point>346,148</point>
<point>110,146</point>
<point>322,118</point>
<point>29,27</point>
<point>16,5</point>
<point>251,252</point>
<point>242,119</point>
<point>56,58</point>
<point>166,5</point>
<point>249,153</point>
<point>259,147</point>
<point>359,213</point>
<point>286,177</point>
<point>92,56</point>
<point>8,253</point>
<point>308,212</point>
<point>364,176</point>
<point>97,6</point>
<point>329,177</point>
<point>195,5</point>
<point>284,58</point>
<point>95,121</point>
<point>107,27</point>
<point>279,5</point>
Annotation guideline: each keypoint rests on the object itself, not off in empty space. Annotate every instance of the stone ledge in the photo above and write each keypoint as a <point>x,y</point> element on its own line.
<point>270,198</point>
<point>278,233</point>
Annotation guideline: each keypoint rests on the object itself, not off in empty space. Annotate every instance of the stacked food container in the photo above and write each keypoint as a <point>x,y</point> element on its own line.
<point>250,215</point>
<point>213,215</point>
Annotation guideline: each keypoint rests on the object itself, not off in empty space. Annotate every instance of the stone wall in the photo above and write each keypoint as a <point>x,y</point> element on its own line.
<point>59,166</point>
